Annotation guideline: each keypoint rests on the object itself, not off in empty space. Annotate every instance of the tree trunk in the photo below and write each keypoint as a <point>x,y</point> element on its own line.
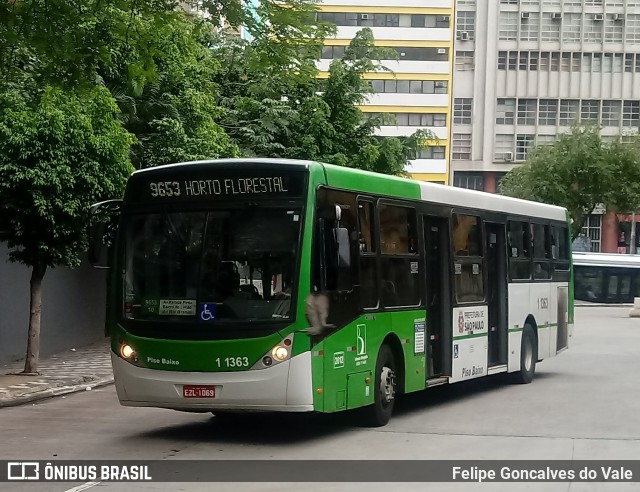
<point>35,314</point>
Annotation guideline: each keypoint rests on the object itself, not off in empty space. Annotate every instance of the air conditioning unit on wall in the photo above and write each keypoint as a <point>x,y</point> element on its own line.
<point>556,16</point>
<point>524,15</point>
<point>598,17</point>
<point>464,36</point>
<point>508,156</point>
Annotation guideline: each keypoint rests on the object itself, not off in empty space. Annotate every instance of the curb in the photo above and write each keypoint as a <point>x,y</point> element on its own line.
<point>56,391</point>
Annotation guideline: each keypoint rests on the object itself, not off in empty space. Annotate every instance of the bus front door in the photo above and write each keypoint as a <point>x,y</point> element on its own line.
<point>438,295</point>
<point>497,293</point>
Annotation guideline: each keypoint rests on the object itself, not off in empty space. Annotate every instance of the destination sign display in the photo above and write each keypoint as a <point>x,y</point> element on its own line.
<point>229,186</point>
<point>211,185</point>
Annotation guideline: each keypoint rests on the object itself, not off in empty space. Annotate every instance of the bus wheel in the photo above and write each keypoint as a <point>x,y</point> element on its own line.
<point>528,356</point>
<point>384,390</point>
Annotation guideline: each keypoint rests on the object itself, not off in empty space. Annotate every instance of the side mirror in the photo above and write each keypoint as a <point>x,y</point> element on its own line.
<point>103,227</point>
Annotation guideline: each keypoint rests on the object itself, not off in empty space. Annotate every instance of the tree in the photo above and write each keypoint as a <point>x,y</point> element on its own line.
<point>579,171</point>
<point>173,115</point>
<point>59,152</point>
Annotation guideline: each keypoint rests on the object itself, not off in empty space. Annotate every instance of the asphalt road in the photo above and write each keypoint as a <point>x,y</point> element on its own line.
<point>582,405</point>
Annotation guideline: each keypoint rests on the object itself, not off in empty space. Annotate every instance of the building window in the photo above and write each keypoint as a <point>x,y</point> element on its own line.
<point>591,229</point>
<point>617,62</point>
<point>464,60</point>
<point>505,111</point>
<point>571,23</point>
<point>468,180</point>
<point>628,62</point>
<point>631,113</point>
<point>512,61</point>
<point>523,60</point>
<point>590,111</point>
<point>414,119</point>
<point>592,29</point>
<point>332,52</point>
<point>527,111</point>
<point>545,56</point>
<point>530,26</point>
<point>466,22</point>
<point>569,111</point>
<point>611,113</point>
<point>524,143</point>
<point>613,29</point>
<point>632,26</point>
<point>419,20</point>
<point>504,148</point>
<point>555,61</point>
<point>422,54</point>
<point>545,139</point>
<point>550,27</point>
<point>462,110</point>
<point>502,60</point>
<point>548,112</point>
<point>432,152</point>
<point>461,146</point>
<point>576,64</point>
<point>508,23</point>
<point>410,86</point>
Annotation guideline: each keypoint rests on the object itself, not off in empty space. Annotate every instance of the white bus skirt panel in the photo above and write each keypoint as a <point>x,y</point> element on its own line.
<point>285,387</point>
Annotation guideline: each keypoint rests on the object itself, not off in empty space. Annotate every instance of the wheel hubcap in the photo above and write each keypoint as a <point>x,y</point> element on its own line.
<point>387,385</point>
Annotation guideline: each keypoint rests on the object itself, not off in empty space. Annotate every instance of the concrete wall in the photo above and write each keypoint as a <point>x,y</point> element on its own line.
<point>73,307</point>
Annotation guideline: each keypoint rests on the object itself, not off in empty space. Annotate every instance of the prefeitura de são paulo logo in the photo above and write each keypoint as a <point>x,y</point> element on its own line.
<point>461,323</point>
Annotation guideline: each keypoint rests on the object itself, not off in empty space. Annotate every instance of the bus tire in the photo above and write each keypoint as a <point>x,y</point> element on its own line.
<point>528,356</point>
<point>384,390</point>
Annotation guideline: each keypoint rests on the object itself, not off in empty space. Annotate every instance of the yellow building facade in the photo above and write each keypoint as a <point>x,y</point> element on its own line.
<point>418,91</point>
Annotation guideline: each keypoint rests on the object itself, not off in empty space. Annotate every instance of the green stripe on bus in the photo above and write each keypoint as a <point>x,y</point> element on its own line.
<point>475,335</point>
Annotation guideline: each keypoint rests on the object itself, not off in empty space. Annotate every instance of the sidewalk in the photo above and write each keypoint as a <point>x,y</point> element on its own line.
<point>60,374</point>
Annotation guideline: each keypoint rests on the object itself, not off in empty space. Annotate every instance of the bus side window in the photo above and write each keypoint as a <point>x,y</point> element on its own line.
<point>560,252</point>
<point>541,251</point>
<point>467,250</point>
<point>367,260</point>
<point>399,261</point>
<point>519,248</point>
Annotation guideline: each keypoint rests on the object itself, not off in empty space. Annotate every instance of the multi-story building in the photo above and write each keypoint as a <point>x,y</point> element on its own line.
<point>525,70</point>
<point>418,92</point>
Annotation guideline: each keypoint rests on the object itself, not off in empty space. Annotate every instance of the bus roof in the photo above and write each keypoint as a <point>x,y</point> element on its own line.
<point>352,179</point>
<point>606,260</point>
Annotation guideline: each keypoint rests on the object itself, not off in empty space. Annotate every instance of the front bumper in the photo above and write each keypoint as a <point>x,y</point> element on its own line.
<point>285,387</point>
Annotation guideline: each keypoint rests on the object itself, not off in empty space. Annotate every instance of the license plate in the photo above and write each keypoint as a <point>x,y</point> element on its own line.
<point>198,391</point>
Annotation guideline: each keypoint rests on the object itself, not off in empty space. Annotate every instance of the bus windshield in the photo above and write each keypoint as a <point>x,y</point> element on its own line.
<point>208,266</point>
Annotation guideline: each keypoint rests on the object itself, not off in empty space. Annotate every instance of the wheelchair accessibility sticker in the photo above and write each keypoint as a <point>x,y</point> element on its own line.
<point>206,311</point>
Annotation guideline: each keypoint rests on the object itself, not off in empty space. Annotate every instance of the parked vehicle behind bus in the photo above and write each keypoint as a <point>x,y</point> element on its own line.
<point>606,278</point>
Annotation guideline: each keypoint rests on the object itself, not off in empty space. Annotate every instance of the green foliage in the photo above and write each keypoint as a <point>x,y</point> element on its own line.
<point>174,115</point>
<point>579,171</point>
<point>61,152</point>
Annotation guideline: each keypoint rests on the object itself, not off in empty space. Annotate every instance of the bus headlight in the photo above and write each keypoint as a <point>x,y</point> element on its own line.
<point>279,353</point>
<point>126,351</point>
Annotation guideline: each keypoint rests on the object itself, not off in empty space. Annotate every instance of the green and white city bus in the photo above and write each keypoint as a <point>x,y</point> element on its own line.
<point>280,285</point>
